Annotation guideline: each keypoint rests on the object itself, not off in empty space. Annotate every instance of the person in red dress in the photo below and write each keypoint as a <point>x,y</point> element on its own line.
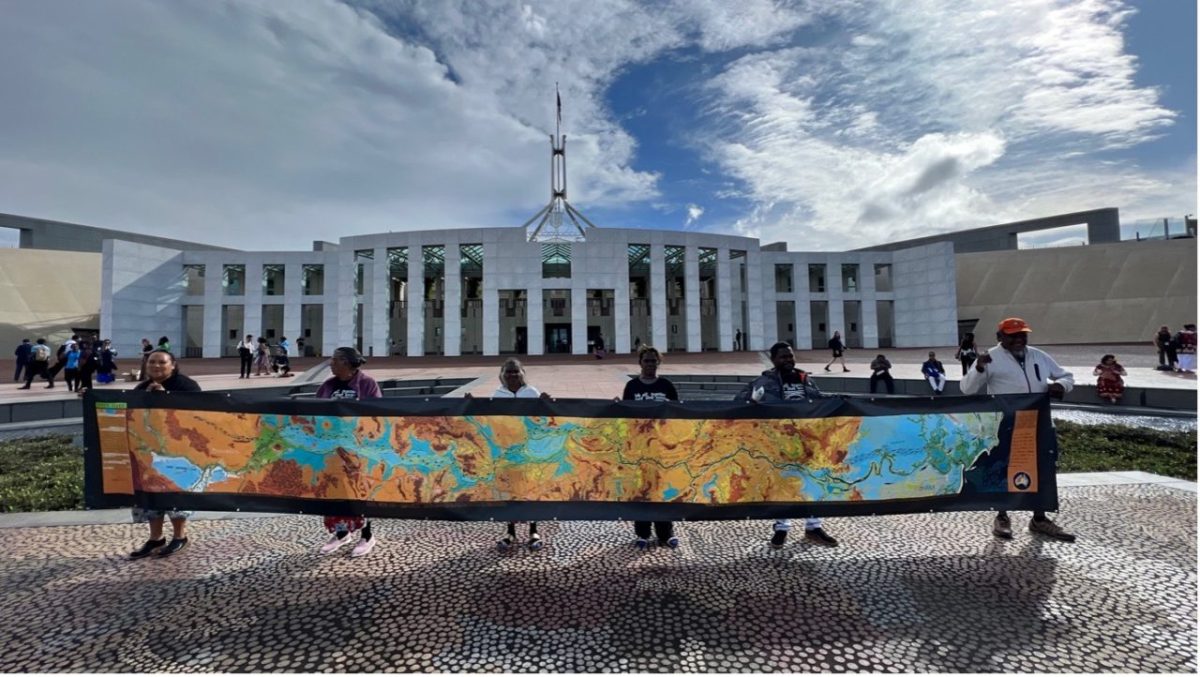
<point>1110,385</point>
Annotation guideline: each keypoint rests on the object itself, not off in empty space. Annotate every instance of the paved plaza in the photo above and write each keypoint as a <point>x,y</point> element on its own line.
<point>925,593</point>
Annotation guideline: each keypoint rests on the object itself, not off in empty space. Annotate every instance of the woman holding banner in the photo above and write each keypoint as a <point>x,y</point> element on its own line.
<point>513,385</point>
<point>348,383</point>
<point>162,376</point>
<point>648,386</point>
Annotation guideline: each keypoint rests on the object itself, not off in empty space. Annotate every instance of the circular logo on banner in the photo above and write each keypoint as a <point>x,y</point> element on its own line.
<point>1021,480</point>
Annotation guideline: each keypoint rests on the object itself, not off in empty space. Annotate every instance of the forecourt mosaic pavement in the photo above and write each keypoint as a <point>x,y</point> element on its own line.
<point>926,593</point>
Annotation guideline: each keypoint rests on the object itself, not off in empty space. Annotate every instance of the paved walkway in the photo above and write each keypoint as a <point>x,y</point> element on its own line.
<point>917,593</point>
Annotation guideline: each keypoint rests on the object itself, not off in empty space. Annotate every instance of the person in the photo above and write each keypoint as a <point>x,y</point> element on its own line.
<point>24,353</point>
<point>282,360</point>
<point>1110,385</point>
<point>648,386</point>
<point>60,359</point>
<point>966,352</point>
<point>935,373</point>
<point>71,371</point>
<point>1185,342</point>
<point>245,351</point>
<point>737,340</point>
<point>837,348</point>
<point>785,382</point>
<point>1165,343</point>
<point>108,362</point>
<point>598,348</point>
<point>880,371</point>
<point>262,357</point>
<point>300,347</point>
<point>348,382</point>
<point>39,363</point>
<point>164,344</point>
<point>89,361</point>
<point>1013,366</point>
<point>147,348</point>
<point>513,386</point>
<point>162,376</point>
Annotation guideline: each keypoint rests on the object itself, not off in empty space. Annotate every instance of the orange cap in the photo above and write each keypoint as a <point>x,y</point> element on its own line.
<point>1013,325</point>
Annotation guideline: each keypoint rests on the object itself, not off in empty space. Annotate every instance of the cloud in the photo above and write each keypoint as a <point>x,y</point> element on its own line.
<point>930,116</point>
<point>694,212</point>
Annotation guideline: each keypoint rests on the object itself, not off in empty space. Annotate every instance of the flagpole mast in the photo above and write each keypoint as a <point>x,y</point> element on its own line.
<point>552,215</point>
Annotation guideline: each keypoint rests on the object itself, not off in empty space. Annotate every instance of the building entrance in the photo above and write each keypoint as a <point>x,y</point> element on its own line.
<point>558,338</point>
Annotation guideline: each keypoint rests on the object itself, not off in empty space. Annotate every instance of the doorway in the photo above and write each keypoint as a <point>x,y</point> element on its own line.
<point>558,338</point>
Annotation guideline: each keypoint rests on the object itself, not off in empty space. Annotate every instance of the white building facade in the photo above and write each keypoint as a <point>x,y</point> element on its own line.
<point>493,292</point>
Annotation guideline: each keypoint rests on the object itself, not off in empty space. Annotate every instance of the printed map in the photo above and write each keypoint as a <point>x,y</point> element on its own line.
<point>441,459</point>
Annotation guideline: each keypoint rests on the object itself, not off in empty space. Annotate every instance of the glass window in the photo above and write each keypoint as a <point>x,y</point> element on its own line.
<point>850,277</point>
<point>816,277</point>
<point>233,279</point>
<point>273,279</point>
<point>883,277</point>
<point>193,275</point>
<point>312,279</point>
<point>556,260</point>
<point>783,277</point>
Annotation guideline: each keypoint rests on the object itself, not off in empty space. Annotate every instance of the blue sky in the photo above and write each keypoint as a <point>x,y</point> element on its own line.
<point>828,124</point>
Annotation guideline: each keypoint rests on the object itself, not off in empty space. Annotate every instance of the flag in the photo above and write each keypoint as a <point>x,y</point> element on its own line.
<point>559,98</point>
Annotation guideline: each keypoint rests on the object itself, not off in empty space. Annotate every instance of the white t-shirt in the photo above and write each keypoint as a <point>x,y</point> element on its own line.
<point>525,391</point>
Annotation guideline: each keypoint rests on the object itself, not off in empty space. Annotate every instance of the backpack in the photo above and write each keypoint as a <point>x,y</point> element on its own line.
<point>41,353</point>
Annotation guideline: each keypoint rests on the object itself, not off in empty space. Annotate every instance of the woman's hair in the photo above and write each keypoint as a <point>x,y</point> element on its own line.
<point>164,339</point>
<point>647,348</point>
<point>1107,358</point>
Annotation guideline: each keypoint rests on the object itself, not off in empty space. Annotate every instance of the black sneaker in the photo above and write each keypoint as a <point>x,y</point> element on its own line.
<point>819,537</point>
<point>173,547</point>
<point>778,539</point>
<point>148,548</point>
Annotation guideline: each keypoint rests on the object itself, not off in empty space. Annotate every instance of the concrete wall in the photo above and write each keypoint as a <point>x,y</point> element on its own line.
<point>62,236</point>
<point>45,294</point>
<point>141,292</point>
<point>1110,293</point>
<point>926,299</point>
<point>1103,226</point>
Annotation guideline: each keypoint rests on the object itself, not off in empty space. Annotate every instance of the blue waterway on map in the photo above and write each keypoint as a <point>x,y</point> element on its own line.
<point>181,471</point>
<point>670,493</point>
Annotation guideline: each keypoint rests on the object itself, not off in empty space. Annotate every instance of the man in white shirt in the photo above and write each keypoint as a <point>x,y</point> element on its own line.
<point>1015,367</point>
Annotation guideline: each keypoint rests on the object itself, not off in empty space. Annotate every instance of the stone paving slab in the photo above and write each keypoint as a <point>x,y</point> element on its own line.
<point>923,593</point>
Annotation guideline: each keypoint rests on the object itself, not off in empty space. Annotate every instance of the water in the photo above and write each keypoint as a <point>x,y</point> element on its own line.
<point>1182,424</point>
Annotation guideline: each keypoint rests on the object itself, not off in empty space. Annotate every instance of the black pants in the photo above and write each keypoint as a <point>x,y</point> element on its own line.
<point>33,370</point>
<point>53,370</point>
<point>21,367</point>
<point>85,379</point>
<point>1167,357</point>
<point>247,361</point>
<point>71,376</point>
<point>887,381</point>
<point>663,530</point>
<point>966,363</point>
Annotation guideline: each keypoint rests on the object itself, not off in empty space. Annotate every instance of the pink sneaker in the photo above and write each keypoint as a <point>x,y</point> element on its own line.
<point>334,543</point>
<point>364,547</point>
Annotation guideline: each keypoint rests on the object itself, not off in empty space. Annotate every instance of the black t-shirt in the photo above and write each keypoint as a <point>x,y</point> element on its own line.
<point>343,391</point>
<point>178,383</point>
<point>661,390</point>
<point>793,385</point>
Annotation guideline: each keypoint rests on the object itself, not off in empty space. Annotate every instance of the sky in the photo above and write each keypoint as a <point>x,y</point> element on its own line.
<point>826,124</point>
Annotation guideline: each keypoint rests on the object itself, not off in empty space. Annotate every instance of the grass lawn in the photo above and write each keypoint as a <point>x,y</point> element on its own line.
<point>46,473</point>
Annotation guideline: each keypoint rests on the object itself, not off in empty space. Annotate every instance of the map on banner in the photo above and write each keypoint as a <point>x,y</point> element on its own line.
<point>441,459</point>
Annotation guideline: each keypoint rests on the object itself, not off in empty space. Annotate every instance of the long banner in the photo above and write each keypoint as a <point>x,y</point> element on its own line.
<point>479,459</point>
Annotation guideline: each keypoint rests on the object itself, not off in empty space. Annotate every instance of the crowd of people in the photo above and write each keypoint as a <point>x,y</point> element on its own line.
<point>1011,366</point>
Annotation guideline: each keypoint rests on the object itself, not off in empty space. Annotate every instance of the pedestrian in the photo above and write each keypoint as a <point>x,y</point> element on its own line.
<point>71,371</point>
<point>245,349</point>
<point>513,386</point>
<point>598,348</point>
<point>89,363</point>
<point>164,344</point>
<point>648,386</point>
<point>283,360</point>
<point>147,348</point>
<point>1110,385</point>
<point>1013,366</point>
<point>935,373</point>
<point>1165,343</point>
<point>348,382</point>
<point>781,383</point>
<point>108,362</point>
<point>39,364</point>
<point>262,357</point>
<point>838,349</point>
<point>881,371</point>
<point>162,376</point>
<point>60,359</point>
<point>737,340</point>
<point>1185,344</point>
<point>966,352</point>
<point>24,353</point>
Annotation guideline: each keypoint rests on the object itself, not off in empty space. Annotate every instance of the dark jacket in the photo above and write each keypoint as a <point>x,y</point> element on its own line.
<point>24,353</point>
<point>772,385</point>
<point>177,383</point>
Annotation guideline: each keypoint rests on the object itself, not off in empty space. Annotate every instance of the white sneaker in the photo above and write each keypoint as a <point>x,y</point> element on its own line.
<point>363,547</point>
<point>334,543</point>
